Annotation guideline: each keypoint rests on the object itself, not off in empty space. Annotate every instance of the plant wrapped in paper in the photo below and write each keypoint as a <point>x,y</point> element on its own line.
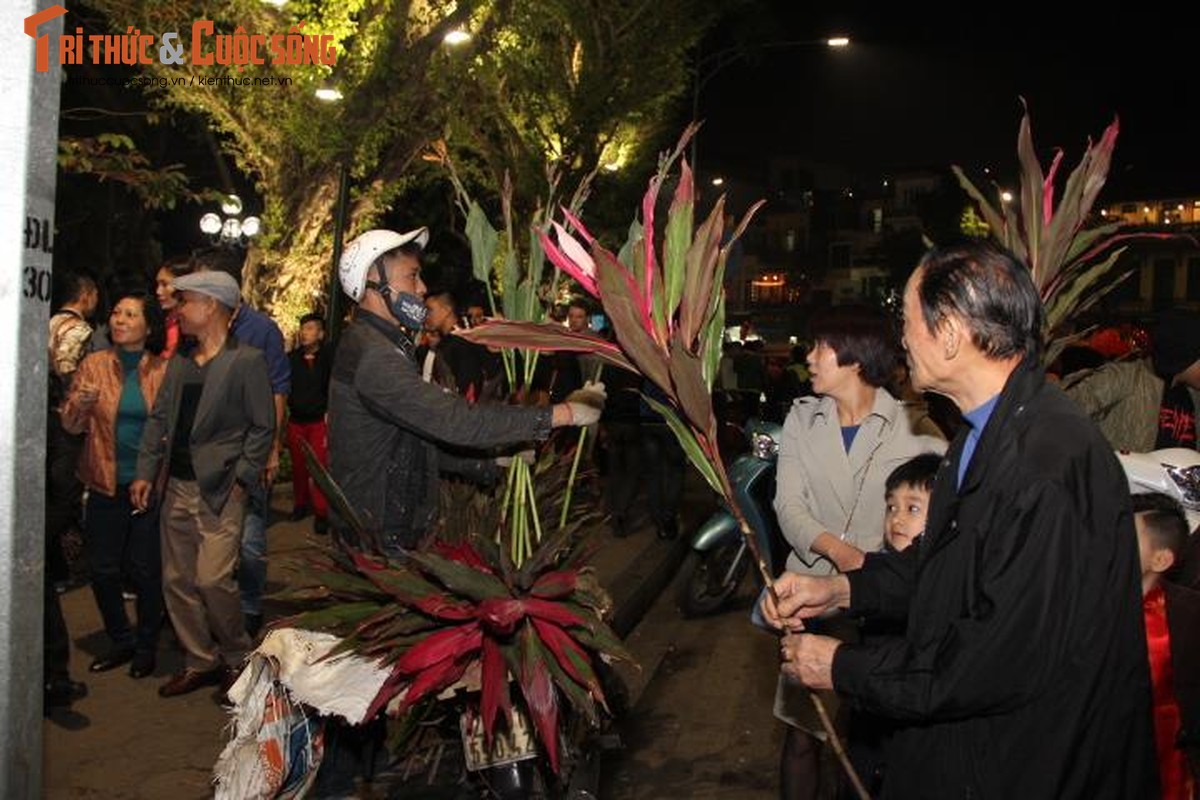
<point>432,616</point>
<point>1072,264</point>
<point>664,297</point>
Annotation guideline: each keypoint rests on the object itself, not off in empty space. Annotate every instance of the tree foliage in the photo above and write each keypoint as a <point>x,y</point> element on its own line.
<point>581,82</point>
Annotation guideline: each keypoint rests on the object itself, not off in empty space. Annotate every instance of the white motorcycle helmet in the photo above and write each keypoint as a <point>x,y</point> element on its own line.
<point>1174,472</point>
<point>362,251</point>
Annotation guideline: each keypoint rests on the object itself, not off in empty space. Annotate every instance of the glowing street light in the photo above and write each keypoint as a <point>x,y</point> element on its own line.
<point>1006,196</point>
<point>456,37</point>
<point>838,41</point>
<point>230,230</point>
<point>718,181</point>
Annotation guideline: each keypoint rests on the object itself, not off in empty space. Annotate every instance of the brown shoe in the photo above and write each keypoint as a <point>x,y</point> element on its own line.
<point>190,680</point>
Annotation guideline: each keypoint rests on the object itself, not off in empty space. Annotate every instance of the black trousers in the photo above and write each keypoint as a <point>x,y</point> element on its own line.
<point>113,536</point>
<point>63,491</point>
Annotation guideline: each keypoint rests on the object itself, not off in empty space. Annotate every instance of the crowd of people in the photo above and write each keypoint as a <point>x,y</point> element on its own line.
<point>166,426</point>
<point>991,611</point>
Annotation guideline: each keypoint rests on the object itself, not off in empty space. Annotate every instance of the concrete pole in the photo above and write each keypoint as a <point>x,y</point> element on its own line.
<point>28,147</point>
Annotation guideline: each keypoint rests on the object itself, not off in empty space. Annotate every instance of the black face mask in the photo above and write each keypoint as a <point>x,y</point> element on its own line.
<point>408,308</point>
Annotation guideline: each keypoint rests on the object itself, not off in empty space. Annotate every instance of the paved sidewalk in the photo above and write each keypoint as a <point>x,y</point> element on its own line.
<point>124,742</point>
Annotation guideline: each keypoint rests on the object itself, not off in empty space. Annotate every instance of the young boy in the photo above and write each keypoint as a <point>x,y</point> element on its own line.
<point>311,369</point>
<point>907,497</point>
<point>1171,613</point>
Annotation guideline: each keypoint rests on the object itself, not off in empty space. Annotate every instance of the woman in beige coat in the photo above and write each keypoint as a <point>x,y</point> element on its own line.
<point>838,448</point>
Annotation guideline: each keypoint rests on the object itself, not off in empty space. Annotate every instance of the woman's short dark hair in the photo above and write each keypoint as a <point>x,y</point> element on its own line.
<point>860,336</point>
<point>156,329</point>
<point>990,290</point>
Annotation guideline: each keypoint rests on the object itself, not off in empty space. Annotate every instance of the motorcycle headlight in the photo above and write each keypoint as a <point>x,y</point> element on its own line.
<point>764,446</point>
<point>1188,481</point>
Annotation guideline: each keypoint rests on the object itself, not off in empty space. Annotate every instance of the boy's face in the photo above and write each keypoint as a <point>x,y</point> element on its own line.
<point>311,333</point>
<point>1154,560</point>
<point>904,517</point>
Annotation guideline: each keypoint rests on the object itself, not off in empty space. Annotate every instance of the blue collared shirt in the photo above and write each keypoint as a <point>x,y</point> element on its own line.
<point>977,418</point>
<point>256,329</point>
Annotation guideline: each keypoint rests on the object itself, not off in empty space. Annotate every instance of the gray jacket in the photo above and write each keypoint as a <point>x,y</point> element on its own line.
<point>1123,399</point>
<point>232,431</point>
<point>820,488</point>
<point>386,426</point>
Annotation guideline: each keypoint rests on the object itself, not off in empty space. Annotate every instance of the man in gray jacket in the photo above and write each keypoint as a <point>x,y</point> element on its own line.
<point>210,433</point>
<point>386,424</point>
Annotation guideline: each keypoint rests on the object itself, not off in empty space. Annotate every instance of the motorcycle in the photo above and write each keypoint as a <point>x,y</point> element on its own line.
<point>1174,472</point>
<point>719,557</point>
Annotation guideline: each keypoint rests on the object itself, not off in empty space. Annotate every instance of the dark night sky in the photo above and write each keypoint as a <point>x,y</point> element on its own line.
<point>918,88</point>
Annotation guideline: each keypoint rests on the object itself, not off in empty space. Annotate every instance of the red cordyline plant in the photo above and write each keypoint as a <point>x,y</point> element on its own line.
<point>431,616</point>
<point>665,298</point>
<point>1071,263</point>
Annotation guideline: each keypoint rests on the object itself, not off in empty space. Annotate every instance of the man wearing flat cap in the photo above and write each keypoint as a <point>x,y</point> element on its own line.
<point>205,443</point>
<point>1147,404</point>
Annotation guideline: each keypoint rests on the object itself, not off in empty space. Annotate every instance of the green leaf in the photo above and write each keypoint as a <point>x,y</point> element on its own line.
<point>678,237</point>
<point>701,261</point>
<point>460,578</point>
<point>1083,289</point>
<point>632,243</point>
<point>711,341</point>
<point>335,618</point>
<point>689,443</point>
<point>484,239</point>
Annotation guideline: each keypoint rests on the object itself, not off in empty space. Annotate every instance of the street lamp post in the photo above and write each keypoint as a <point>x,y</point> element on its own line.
<point>339,227</point>
<point>230,230</point>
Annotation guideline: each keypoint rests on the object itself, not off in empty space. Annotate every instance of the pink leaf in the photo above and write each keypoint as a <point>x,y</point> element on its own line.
<point>1048,188</point>
<point>560,260</point>
<point>574,251</point>
<point>574,222</point>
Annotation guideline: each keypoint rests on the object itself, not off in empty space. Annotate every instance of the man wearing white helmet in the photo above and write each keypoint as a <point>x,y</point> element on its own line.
<point>386,425</point>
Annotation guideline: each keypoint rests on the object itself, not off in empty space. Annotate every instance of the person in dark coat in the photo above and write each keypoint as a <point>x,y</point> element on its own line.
<point>1022,671</point>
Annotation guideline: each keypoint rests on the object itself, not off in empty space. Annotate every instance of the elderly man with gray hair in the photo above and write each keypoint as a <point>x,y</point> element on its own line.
<point>208,437</point>
<point>1022,669</point>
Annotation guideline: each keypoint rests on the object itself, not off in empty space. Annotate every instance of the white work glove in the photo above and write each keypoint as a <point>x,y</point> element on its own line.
<point>528,456</point>
<point>587,403</point>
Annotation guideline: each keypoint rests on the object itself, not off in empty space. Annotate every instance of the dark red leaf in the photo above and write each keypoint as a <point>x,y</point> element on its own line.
<point>553,585</point>
<point>500,616</point>
<point>570,656</point>
<point>551,612</point>
<point>463,553</point>
<point>451,643</point>
<point>386,692</point>
<point>433,680</point>
<point>493,687</point>
<point>538,690</point>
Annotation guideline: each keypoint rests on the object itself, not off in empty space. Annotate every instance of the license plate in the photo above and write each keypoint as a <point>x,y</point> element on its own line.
<point>509,743</point>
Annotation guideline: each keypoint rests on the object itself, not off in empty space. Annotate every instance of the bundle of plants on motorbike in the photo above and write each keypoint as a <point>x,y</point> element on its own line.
<point>466,614</point>
<point>1073,264</point>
